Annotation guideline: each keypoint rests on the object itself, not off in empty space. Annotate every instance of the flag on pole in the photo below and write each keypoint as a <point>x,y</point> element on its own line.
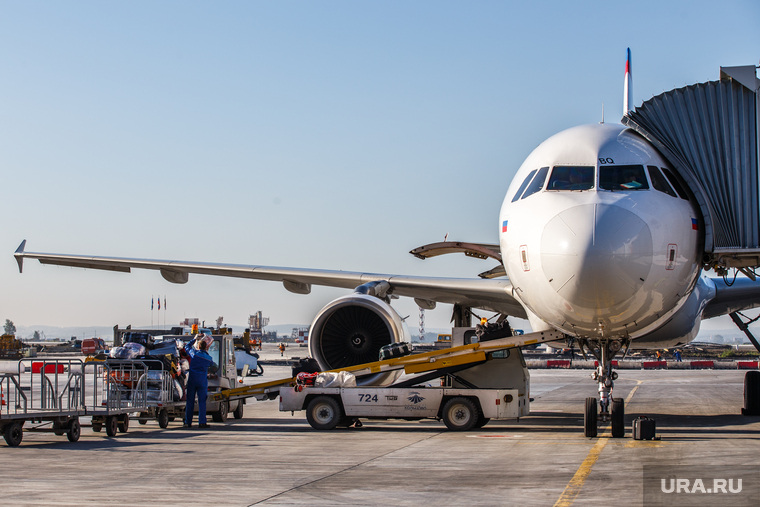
<point>151,304</point>
<point>164,303</point>
<point>159,303</point>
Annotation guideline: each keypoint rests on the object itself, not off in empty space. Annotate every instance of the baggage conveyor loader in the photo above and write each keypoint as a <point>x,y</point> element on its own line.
<point>466,367</point>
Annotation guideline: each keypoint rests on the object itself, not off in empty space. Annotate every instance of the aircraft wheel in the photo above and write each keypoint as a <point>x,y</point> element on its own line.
<point>13,433</point>
<point>163,418</point>
<point>751,393</point>
<point>460,414</point>
<point>74,431</point>
<point>324,413</point>
<point>111,425</point>
<point>590,417</point>
<point>618,418</point>
<point>238,413</point>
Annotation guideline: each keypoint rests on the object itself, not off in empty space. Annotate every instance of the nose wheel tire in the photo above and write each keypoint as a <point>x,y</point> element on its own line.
<point>618,418</point>
<point>751,393</point>
<point>590,418</point>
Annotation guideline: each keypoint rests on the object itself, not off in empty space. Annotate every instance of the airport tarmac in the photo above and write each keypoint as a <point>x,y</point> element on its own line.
<point>273,458</point>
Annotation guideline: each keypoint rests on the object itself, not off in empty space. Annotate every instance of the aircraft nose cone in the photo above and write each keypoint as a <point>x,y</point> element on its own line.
<point>596,255</point>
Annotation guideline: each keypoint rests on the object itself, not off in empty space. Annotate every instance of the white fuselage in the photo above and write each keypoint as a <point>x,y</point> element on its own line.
<point>602,243</point>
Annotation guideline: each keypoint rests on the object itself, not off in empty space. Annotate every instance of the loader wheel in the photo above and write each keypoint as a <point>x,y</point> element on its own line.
<point>238,413</point>
<point>111,425</point>
<point>324,413</point>
<point>74,431</point>
<point>460,414</point>
<point>13,433</point>
<point>221,414</point>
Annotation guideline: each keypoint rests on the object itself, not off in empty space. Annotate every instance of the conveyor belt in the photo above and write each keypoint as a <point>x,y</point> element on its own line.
<point>415,363</point>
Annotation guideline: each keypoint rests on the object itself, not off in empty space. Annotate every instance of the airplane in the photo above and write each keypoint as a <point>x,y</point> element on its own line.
<point>600,238</point>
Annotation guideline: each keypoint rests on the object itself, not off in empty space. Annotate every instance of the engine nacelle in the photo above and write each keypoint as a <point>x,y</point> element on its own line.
<point>351,330</point>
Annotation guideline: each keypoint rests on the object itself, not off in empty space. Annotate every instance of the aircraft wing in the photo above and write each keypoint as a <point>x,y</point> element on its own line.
<point>743,294</point>
<point>494,295</point>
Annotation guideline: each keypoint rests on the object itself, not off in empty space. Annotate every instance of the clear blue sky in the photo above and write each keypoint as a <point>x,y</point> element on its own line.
<point>330,134</point>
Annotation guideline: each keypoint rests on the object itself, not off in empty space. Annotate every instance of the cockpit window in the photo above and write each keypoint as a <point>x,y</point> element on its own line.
<point>537,183</point>
<point>524,184</point>
<point>571,178</point>
<point>622,177</point>
<point>658,181</point>
<point>676,184</point>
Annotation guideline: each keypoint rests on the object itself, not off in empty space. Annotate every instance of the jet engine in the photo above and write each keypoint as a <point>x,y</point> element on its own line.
<point>351,330</point>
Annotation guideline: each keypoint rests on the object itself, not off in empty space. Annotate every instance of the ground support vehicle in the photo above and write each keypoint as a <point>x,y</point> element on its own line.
<point>460,409</point>
<point>52,394</point>
<point>476,375</point>
<point>164,403</point>
<point>245,359</point>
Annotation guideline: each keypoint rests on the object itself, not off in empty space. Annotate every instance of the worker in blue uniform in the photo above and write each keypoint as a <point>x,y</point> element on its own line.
<point>197,382</point>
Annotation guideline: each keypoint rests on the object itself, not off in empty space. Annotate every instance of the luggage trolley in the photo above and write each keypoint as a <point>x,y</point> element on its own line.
<point>164,395</point>
<point>42,391</point>
<point>113,389</point>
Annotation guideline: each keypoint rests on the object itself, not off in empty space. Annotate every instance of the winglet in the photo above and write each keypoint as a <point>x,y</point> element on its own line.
<point>19,255</point>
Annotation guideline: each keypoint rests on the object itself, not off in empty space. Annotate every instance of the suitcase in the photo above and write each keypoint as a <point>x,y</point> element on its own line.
<point>643,428</point>
<point>305,365</point>
<point>395,350</point>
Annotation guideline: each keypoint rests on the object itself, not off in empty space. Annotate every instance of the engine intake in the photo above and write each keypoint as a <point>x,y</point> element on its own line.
<point>351,330</point>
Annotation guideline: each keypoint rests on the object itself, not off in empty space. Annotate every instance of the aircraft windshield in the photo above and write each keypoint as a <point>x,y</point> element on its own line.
<point>571,178</point>
<point>622,177</point>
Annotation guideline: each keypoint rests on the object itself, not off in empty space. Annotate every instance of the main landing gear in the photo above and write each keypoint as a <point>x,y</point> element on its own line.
<point>751,378</point>
<point>607,408</point>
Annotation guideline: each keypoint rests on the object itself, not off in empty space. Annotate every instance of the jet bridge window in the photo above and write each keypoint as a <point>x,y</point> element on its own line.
<point>658,181</point>
<point>523,185</point>
<point>537,183</point>
<point>571,178</point>
<point>622,177</point>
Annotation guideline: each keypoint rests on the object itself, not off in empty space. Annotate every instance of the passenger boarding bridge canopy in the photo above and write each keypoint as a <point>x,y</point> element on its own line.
<point>709,133</point>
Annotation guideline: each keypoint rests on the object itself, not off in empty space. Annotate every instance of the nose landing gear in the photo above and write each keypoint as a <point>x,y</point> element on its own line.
<point>608,409</point>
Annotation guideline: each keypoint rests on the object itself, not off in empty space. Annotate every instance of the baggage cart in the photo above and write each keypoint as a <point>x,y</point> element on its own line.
<point>52,394</point>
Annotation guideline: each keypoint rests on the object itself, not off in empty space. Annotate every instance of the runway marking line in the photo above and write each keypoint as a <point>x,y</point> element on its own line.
<point>575,485</point>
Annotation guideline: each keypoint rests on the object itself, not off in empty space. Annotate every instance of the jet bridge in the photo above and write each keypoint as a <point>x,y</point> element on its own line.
<point>709,133</point>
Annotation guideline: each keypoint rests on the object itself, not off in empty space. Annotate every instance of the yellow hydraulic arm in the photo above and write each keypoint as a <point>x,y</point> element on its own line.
<point>416,363</point>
